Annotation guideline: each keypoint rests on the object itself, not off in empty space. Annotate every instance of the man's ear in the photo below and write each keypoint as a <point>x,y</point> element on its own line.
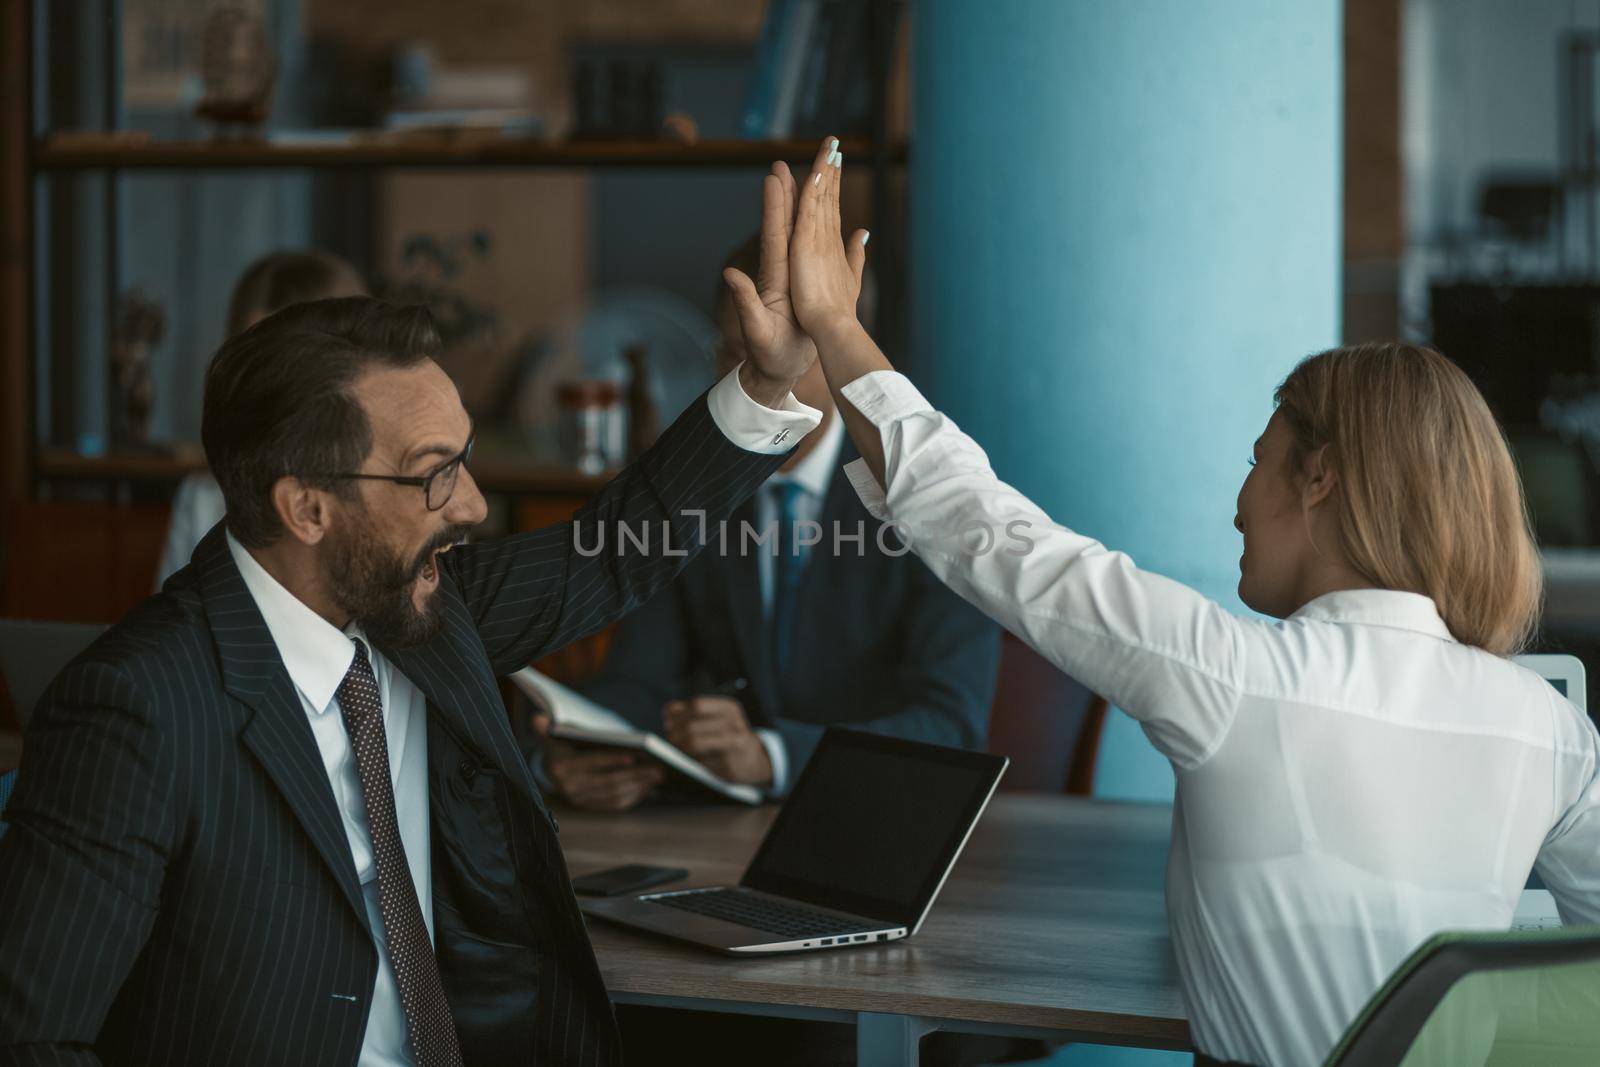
<point>306,513</point>
<point>1318,478</point>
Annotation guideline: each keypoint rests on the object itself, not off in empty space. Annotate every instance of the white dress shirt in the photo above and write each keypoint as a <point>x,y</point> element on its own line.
<point>813,474</point>
<point>1350,780</point>
<point>197,507</point>
<point>317,654</point>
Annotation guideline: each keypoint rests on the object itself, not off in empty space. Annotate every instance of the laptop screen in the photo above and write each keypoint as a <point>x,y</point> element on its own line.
<point>874,824</point>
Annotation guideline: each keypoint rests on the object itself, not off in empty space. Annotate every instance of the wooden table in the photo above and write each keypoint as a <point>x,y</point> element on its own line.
<point>1052,925</point>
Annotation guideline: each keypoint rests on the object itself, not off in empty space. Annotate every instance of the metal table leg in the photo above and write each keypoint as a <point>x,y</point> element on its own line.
<point>890,1040</point>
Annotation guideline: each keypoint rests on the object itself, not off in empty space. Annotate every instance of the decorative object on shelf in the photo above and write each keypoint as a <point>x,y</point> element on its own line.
<point>472,347</point>
<point>237,67</point>
<point>588,342</point>
<point>644,424</point>
<point>619,98</point>
<point>141,322</point>
<point>453,101</point>
<point>681,127</point>
<point>432,266</point>
<point>591,424</point>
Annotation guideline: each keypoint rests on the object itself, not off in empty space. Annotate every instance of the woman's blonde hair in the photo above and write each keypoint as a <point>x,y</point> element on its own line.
<point>279,279</point>
<point>1429,498</point>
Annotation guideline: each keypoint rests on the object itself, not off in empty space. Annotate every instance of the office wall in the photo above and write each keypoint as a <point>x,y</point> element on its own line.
<point>1125,230</point>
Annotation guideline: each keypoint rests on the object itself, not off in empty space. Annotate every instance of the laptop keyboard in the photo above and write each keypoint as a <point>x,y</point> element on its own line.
<point>789,921</point>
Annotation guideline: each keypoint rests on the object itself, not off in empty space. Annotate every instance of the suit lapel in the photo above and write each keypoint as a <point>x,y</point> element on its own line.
<point>275,730</point>
<point>467,701</point>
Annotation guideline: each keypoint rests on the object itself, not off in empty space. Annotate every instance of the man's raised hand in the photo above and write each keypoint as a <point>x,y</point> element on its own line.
<point>779,350</point>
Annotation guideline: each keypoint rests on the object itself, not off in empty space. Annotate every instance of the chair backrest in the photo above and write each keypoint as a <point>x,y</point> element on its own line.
<point>7,781</point>
<point>1492,998</point>
<point>1047,722</point>
<point>33,653</point>
<point>66,561</point>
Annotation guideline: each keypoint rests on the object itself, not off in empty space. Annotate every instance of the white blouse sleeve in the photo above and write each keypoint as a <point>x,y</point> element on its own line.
<point>1166,655</point>
<point>1569,860</point>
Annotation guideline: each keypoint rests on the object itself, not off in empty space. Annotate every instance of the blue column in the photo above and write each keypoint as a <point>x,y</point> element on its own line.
<point>1124,230</point>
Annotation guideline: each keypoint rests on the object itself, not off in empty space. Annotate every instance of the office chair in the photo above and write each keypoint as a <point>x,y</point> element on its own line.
<point>1485,998</point>
<point>33,653</point>
<point>1047,722</point>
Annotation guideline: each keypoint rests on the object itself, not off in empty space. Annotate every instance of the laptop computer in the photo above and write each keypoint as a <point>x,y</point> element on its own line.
<point>1536,908</point>
<point>856,855</point>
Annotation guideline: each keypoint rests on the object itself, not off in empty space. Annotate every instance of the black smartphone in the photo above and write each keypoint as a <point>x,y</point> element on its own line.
<point>633,878</point>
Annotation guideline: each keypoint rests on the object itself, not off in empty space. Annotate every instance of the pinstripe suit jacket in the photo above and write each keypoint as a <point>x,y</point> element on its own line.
<point>177,886</point>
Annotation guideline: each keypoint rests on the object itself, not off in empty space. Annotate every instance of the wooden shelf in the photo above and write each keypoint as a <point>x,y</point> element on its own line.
<point>494,474</point>
<point>82,153</point>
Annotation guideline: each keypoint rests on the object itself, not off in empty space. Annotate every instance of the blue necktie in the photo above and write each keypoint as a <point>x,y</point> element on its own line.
<point>787,569</point>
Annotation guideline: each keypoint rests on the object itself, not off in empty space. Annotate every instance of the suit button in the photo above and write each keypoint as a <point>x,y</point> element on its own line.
<point>468,770</point>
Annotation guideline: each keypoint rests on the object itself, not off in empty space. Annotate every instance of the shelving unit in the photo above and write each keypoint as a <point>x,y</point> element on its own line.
<point>472,152</point>
<point>25,465</point>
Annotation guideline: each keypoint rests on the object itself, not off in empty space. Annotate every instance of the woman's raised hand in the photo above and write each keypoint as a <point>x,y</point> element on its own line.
<point>778,347</point>
<point>824,273</point>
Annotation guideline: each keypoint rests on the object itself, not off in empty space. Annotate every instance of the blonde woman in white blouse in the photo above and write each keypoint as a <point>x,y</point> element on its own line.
<point>1366,770</point>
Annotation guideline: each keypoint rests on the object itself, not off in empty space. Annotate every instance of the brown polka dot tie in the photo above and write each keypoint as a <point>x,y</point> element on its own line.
<point>428,1021</point>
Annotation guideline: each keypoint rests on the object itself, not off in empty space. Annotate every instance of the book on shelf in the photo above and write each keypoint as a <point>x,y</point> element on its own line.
<point>576,718</point>
<point>762,94</point>
<point>812,71</point>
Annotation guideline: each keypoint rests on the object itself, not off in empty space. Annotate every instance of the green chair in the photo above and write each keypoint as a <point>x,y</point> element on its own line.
<point>1512,999</point>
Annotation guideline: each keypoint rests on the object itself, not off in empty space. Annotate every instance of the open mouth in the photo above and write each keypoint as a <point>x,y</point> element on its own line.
<point>430,567</point>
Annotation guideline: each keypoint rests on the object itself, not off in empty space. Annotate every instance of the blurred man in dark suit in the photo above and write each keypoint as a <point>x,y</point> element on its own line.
<point>850,630</point>
<point>276,815</point>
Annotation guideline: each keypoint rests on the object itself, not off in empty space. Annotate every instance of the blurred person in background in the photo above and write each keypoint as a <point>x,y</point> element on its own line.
<point>855,635</point>
<point>274,281</point>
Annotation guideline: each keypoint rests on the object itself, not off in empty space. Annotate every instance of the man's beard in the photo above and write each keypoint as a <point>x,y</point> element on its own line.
<point>374,586</point>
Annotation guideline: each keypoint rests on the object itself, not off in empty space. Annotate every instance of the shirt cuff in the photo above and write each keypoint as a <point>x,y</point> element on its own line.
<point>778,756</point>
<point>882,396</point>
<point>755,427</point>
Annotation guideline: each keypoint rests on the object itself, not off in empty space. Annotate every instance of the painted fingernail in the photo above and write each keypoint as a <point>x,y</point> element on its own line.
<point>833,154</point>
<point>866,235</point>
<point>838,160</point>
<point>833,145</point>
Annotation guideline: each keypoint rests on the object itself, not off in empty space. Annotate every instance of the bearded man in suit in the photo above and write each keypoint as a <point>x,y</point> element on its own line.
<point>277,814</point>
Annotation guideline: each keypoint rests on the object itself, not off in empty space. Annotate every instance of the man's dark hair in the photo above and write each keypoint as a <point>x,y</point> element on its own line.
<point>278,401</point>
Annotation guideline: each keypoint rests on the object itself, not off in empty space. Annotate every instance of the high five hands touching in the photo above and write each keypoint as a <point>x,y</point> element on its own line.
<point>824,272</point>
<point>802,305</point>
<point>807,281</point>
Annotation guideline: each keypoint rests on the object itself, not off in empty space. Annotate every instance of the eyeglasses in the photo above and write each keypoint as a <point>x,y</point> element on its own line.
<point>438,485</point>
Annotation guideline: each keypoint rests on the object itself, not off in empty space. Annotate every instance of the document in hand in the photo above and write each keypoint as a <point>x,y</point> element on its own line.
<point>580,720</point>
